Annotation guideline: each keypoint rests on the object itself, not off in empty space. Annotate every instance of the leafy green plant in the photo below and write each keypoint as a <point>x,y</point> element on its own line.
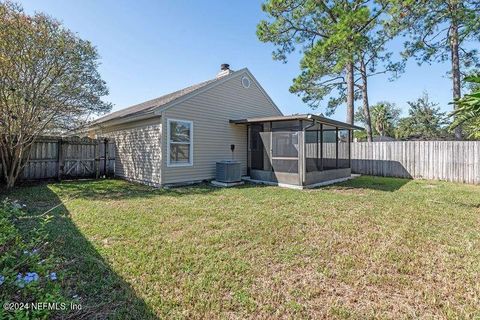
<point>467,112</point>
<point>385,116</point>
<point>28,274</point>
<point>425,121</point>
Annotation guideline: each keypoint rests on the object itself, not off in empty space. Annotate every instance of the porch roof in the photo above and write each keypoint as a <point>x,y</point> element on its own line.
<point>306,117</point>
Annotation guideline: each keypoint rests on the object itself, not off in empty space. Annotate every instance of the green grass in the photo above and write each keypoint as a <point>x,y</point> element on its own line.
<point>368,248</point>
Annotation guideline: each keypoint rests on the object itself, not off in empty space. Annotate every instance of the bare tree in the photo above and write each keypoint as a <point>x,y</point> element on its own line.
<point>48,81</point>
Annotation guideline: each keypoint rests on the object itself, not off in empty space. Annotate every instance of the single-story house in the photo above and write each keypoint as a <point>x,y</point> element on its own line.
<point>178,138</point>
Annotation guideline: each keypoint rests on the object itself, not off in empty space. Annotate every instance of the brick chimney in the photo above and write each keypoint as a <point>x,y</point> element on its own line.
<point>224,70</point>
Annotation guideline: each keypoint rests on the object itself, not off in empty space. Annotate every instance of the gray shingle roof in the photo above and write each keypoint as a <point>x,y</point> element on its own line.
<point>152,104</point>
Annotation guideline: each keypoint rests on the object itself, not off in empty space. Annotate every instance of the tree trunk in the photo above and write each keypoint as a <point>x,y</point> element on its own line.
<point>366,107</point>
<point>10,182</point>
<point>381,131</point>
<point>13,162</point>
<point>5,164</point>
<point>350,93</point>
<point>11,168</point>
<point>457,91</point>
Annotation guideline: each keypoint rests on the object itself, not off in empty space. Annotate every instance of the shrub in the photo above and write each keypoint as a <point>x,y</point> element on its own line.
<point>28,274</point>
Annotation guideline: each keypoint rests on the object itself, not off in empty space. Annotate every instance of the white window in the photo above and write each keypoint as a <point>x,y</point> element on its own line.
<point>179,143</point>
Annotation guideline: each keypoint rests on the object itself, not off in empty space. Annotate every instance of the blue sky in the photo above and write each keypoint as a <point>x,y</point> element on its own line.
<point>150,48</point>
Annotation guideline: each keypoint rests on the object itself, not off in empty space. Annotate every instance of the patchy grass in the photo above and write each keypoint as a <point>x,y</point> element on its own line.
<point>367,248</point>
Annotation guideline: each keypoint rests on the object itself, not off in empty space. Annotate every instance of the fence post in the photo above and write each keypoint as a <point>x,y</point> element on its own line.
<point>336,147</point>
<point>106,156</point>
<point>97,158</point>
<point>60,160</point>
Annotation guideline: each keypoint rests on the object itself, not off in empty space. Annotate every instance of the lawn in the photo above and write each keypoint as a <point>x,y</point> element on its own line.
<point>367,248</point>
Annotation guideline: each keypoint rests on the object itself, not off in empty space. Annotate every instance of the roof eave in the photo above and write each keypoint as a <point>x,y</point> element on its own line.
<point>335,122</point>
<point>122,120</point>
<point>310,117</point>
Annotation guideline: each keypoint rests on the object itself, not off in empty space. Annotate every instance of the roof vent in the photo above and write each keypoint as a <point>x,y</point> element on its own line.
<point>246,82</point>
<point>224,70</point>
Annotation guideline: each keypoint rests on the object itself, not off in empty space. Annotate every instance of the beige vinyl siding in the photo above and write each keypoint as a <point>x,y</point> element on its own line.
<point>138,150</point>
<point>210,112</point>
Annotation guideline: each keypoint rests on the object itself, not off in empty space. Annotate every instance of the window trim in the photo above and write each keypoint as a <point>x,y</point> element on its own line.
<point>190,162</point>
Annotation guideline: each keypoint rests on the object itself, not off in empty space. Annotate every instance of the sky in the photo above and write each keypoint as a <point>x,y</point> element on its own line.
<point>151,48</point>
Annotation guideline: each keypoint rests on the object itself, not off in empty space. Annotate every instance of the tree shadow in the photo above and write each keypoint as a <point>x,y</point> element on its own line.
<point>102,293</point>
<point>383,168</point>
<point>386,184</point>
<point>110,189</point>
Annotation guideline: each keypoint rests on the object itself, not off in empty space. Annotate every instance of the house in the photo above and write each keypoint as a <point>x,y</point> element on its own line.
<point>179,137</point>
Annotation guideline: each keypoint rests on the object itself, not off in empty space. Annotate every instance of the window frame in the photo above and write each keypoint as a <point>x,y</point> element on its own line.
<point>169,142</point>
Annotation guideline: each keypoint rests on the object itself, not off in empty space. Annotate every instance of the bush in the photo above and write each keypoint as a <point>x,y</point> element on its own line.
<point>28,274</point>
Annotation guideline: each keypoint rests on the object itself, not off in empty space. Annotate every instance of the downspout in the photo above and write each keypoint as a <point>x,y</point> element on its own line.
<point>336,147</point>
<point>163,146</point>
<point>248,150</point>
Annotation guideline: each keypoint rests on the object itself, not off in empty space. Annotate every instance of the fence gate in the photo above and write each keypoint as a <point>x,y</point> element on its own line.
<point>69,158</point>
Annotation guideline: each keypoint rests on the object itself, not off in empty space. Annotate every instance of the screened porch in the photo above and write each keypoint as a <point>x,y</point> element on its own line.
<point>300,150</point>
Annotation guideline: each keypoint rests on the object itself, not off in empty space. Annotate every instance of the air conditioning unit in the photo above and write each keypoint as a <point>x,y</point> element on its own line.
<point>228,171</point>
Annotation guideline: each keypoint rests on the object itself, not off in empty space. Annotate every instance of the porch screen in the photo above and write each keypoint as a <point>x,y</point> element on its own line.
<point>343,148</point>
<point>329,145</point>
<point>285,151</point>
<point>312,151</point>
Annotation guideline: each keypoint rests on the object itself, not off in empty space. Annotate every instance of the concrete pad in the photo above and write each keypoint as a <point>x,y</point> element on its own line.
<point>292,186</point>
<point>271,183</point>
<point>226,184</point>
<point>329,182</point>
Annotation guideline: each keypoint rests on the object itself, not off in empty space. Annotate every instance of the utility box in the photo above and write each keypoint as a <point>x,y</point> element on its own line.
<point>228,171</point>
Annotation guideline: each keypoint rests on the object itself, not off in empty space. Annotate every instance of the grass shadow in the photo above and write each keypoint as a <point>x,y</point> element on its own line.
<point>102,292</point>
<point>103,189</point>
<point>390,168</point>
<point>371,182</point>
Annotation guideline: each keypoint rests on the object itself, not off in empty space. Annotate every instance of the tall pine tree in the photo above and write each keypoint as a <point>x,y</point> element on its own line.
<point>329,33</point>
<point>441,30</point>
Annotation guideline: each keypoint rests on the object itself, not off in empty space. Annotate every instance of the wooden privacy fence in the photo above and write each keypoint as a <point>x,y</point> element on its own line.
<point>69,158</point>
<point>457,161</point>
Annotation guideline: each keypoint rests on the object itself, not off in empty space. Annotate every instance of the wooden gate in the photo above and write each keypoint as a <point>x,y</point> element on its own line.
<point>69,158</point>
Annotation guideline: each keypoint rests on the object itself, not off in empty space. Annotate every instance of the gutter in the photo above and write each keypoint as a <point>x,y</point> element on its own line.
<point>113,122</point>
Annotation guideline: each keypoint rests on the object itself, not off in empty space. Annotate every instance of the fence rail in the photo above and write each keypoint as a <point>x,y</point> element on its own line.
<point>457,161</point>
<point>69,158</point>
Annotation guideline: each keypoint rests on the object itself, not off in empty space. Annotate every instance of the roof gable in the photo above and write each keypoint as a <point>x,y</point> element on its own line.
<point>152,104</point>
<point>158,105</point>
<point>233,75</point>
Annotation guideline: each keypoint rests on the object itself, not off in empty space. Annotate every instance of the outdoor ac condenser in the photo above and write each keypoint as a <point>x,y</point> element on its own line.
<point>228,171</point>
